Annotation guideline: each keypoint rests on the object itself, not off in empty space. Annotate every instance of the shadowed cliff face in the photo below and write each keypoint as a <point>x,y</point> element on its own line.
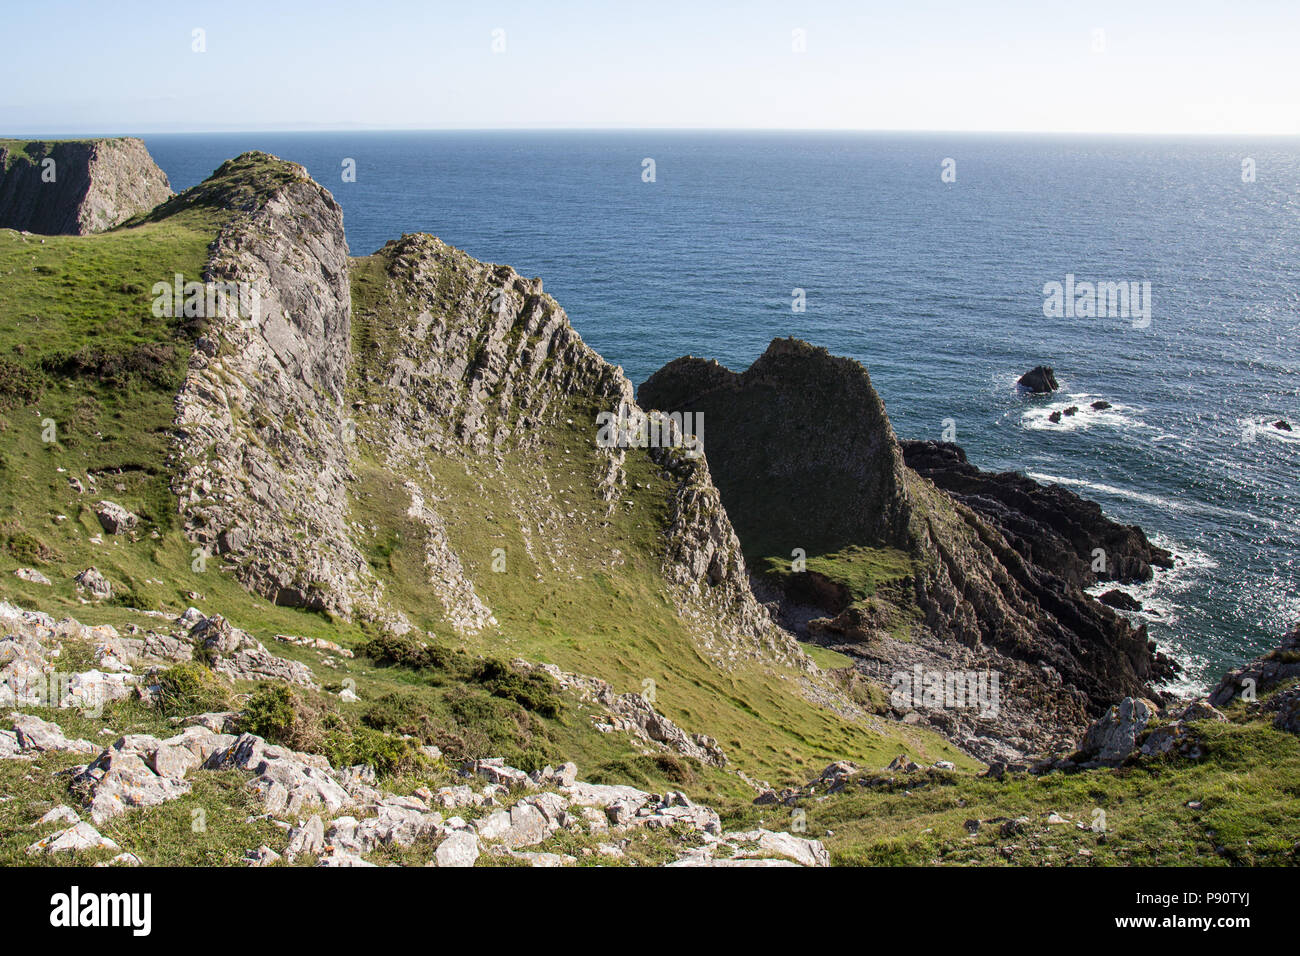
<point>805,458</point>
<point>849,492</point>
<point>77,187</point>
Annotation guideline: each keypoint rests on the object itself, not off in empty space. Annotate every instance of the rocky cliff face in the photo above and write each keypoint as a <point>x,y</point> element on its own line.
<point>1048,525</point>
<point>457,363</point>
<point>262,430</point>
<point>477,363</point>
<point>805,458</point>
<point>77,187</point>
<point>850,491</point>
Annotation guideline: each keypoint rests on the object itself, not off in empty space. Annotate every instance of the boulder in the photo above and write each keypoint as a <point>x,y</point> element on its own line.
<point>1200,710</point>
<point>1039,379</point>
<point>76,838</point>
<point>286,780</point>
<point>34,734</point>
<point>306,839</point>
<point>528,826</point>
<point>115,519</point>
<point>1120,600</point>
<point>60,814</point>
<point>262,856</point>
<point>120,780</point>
<point>459,849</point>
<point>91,581</point>
<point>32,575</point>
<point>1282,425</point>
<point>1113,736</point>
<point>1287,704</point>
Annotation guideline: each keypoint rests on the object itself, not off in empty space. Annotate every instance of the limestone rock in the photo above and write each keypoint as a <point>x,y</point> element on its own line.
<point>99,183</point>
<point>76,838</point>
<point>35,734</point>
<point>1113,736</point>
<point>458,849</point>
<point>306,839</point>
<point>115,519</point>
<point>94,583</point>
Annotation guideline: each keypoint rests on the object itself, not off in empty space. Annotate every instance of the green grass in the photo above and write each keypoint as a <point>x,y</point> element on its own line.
<point>586,593</point>
<point>1248,814</point>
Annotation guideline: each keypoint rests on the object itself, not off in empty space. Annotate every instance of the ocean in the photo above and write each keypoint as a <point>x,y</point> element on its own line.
<point>925,257</point>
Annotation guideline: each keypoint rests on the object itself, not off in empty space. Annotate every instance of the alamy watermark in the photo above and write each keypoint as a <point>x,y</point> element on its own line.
<point>630,427</point>
<point>1085,300</point>
<point>210,300</point>
<point>946,690</point>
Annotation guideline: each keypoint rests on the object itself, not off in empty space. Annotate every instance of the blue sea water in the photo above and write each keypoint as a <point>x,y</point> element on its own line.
<point>937,287</point>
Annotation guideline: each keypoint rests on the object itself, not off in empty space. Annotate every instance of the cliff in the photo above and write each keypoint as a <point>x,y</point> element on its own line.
<point>77,187</point>
<point>898,564</point>
<point>402,446</point>
<point>336,557</point>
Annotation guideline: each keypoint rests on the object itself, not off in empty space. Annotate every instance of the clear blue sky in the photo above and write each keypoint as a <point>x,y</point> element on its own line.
<point>1190,66</point>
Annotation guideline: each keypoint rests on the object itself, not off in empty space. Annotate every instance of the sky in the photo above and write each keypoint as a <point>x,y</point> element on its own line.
<point>89,66</point>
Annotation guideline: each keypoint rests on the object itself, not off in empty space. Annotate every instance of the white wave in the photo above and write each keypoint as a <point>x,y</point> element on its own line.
<point>1161,608</point>
<point>1039,417</point>
<point>1255,429</point>
<point>1108,489</point>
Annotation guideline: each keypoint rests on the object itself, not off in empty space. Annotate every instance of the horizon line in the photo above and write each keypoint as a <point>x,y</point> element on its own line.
<point>357,128</point>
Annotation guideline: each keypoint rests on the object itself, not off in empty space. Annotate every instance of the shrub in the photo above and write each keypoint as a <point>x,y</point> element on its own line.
<point>536,691</point>
<point>189,688</point>
<point>26,547</point>
<point>19,385</point>
<point>401,713</point>
<point>269,713</point>
<point>364,745</point>
<point>398,650</point>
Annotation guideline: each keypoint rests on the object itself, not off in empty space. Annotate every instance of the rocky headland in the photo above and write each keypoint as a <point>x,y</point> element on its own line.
<point>352,578</point>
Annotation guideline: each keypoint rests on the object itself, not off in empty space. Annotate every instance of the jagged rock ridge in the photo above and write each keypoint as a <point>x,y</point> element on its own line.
<point>476,362</point>
<point>260,419</point>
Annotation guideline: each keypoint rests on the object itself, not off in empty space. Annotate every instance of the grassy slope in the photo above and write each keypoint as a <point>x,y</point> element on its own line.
<point>63,295</point>
<point>600,614</point>
<point>1245,785</point>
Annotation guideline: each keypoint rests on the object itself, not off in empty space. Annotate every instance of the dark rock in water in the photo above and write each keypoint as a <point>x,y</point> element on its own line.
<point>1100,405</point>
<point>1282,424</point>
<point>1119,600</point>
<point>1049,525</point>
<point>1054,418</point>
<point>1039,379</point>
<point>1072,410</point>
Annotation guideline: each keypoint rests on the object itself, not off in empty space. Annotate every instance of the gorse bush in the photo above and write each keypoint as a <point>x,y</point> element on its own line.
<point>270,713</point>
<point>402,713</point>
<point>535,692</point>
<point>401,651</point>
<point>306,721</point>
<point>19,385</point>
<point>189,688</point>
